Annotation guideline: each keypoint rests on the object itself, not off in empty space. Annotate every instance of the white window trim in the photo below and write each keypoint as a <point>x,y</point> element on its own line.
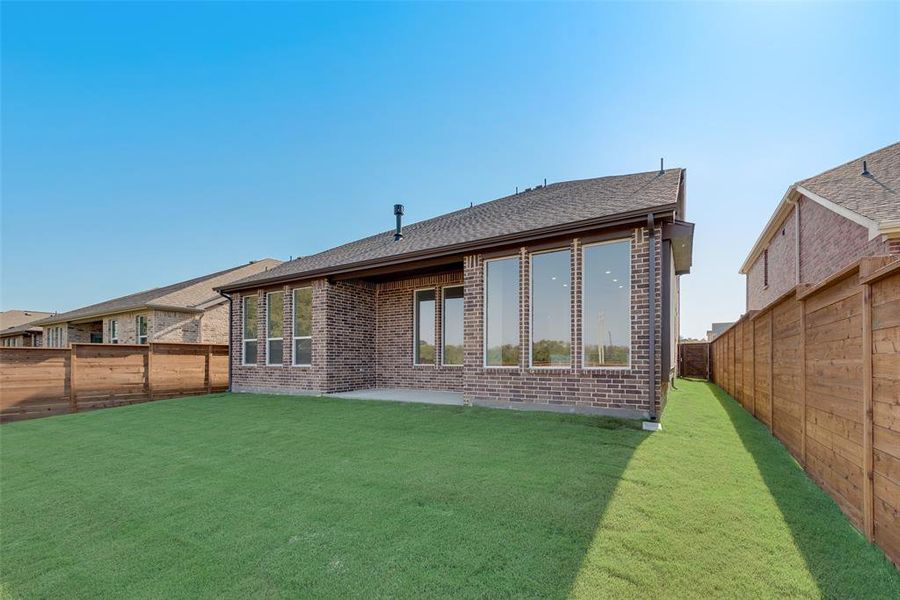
<point>484,306</point>
<point>581,316</point>
<point>572,348</point>
<point>244,340</point>
<point>444,325</point>
<point>137,327</point>
<point>415,340</point>
<point>113,329</point>
<point>294,338</point>
<point>271,339</point>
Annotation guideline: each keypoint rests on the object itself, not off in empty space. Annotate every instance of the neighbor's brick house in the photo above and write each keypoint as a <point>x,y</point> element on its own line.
<point>189,311</point>
<point>825,223</point>
<point>451,306</point>
<point>17,328</point>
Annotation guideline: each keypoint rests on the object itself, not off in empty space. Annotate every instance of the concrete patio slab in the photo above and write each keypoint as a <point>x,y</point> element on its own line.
<point>404,395</point>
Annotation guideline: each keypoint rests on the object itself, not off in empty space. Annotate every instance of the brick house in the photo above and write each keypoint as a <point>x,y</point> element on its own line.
<point>562,297</point>
<point>189,311</point>
<point>17,328</point>
<point>826,222</point>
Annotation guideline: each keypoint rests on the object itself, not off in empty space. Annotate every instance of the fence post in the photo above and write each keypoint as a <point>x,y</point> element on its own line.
<point>150,371</point>
<point>208,374</point>
<point>802,358</point>
<point>868,458</point>
<point>772,371</point>
<point>753,342</point>
<point>73,397</point>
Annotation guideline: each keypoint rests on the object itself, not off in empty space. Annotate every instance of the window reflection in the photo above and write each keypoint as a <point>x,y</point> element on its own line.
<point>606,318</point>
<point>551,309</point>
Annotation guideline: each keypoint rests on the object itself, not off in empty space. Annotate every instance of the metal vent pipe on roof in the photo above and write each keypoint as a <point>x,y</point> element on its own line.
<point>398,212</point>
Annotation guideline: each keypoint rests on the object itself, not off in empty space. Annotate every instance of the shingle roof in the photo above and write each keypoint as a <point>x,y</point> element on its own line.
<point>20,329</point>
<point>192,294</point>
<point>567,202</point>
<point>14,318</point>
<point>875,196</point>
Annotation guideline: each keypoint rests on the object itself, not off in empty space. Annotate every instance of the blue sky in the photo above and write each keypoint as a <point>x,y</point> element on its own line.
<point>143,144</point>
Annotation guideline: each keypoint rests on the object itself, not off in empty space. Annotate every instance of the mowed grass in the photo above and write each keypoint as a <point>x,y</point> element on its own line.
<point>252,496</point>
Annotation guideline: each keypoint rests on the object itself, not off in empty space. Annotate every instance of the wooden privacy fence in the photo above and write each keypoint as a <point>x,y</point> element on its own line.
<point>693,359</point>
<point>38,382</point>
<point>820,367</point>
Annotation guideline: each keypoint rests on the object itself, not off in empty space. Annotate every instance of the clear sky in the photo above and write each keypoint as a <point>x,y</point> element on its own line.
<point>143,144</point>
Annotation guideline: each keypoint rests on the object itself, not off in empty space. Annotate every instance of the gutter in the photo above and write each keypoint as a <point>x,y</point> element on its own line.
<point>629,218</point>
<point>230,325</point>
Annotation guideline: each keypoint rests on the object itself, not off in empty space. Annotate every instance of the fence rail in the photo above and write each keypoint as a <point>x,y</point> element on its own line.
<point>39,382</point>
<point>820,367</point>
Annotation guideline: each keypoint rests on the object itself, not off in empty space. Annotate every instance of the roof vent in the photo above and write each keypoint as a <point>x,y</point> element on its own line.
<point>865,172</point>
<point>398,212</point>
<point>661,169</point>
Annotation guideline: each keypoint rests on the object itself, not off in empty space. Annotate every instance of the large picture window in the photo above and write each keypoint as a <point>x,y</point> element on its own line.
<point>424,327</point>
<point>250,330</point>
<point>452,319</point>
<point>501,313</point>
<point>302,326</point>
<point>274,328</point>
<point>606,318</point>
<point>551,309</point>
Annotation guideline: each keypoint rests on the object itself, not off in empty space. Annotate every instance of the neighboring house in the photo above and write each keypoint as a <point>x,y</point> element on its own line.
<point>826,222</point>
<point>190,311</point>
<point>16,328</point>
<point>545,299</point>
<point>717,329</point>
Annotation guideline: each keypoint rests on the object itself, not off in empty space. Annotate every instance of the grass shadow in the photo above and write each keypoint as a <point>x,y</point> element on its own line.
<point>837,556</point>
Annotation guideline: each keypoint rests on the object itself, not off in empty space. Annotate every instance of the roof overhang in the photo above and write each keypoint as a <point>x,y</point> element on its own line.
<point>638,217</point>
<point>681,235</point>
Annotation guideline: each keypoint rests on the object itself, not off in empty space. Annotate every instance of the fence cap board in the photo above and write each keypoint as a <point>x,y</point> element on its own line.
<point>879,274</point>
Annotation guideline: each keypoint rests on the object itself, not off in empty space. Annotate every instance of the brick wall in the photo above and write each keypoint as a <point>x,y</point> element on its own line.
<point>363,338</point>
<point>782,267</point>
<point>830,242</point>
<point>214,325</point>
<point>394,336</point>
<point>169,326</point>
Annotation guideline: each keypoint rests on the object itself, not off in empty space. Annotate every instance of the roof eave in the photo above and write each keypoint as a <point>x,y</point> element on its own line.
<point>781,212</point>
<point>637,216</point>
<point>62,318</point>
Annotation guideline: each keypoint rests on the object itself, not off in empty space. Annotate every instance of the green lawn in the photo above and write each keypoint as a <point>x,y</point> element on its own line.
<point>264,497</point>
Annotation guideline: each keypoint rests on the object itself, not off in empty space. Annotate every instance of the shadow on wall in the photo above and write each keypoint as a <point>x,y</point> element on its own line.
<point>817,524</point>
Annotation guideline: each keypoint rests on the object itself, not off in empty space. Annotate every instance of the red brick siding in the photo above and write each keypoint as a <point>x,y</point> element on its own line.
<point>394,336</point>
<point>830,242</point>
<point>363,337</point>
<point>782,267</point>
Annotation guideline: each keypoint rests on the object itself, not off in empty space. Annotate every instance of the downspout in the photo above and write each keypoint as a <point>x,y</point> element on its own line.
<point>651,304</point>
<point>230,324</point>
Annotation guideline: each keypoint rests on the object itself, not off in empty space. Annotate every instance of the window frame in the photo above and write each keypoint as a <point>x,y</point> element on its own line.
<point>113,331</point>
<point>444,324</point>
<point>270,339</point>
<point>484,311</point>
<point>294,338</point>
<point>244,340</point>
<point>137,329</point>
<point>630,306</point>
<point>531,256</point>
<point>415,338</point>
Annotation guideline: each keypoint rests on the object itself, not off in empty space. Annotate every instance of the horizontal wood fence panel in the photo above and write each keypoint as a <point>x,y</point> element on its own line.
<point>820,367</point>
<point>38,382</point>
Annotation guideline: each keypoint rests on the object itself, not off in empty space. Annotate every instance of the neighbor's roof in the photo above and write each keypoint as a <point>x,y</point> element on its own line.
<point>875,196</point>
<point>543,208</point>
<point>871,200</point>
<point>14,318</point>
<point>19,329</point>
<point>192,295</point>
